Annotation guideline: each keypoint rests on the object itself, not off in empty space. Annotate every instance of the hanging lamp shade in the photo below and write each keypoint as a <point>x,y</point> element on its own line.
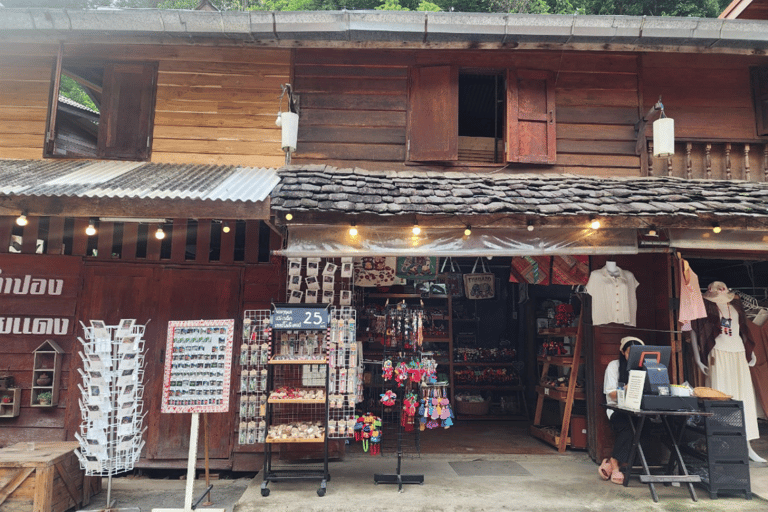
<point>290,126</point>
<point>664,137</point>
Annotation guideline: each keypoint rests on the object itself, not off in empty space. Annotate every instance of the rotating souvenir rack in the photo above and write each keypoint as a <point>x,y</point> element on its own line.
<point>297,384</point>
<point>400,396</point>
<point>111,403</point>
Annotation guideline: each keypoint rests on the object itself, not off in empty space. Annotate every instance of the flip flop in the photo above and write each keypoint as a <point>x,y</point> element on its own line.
<point>605,469</point>
<point>617,477</point>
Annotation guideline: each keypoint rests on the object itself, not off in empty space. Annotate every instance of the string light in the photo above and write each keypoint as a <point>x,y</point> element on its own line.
<point>468,231</point>
<point>530,226</point>
<point>416,229</point>
<point>21,220</point>
<point>353,230</point>
<point>652,231</point>
<point>159,234</point>
<point>226,228</point>
<point>91,229</point>
<point>594,223</point>
<point>716,228</point>
<point>288,216</point>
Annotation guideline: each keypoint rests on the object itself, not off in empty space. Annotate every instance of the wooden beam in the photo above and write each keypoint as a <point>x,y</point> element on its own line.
<point>69,483</point>
<point>31,232</point>
<point>55,235</point>
<point>105,235</point>
<point>130,239</point>
<point>79,238</point>
<point>6,228</point>
<point>140,208</point>
<point>227,251</point>
<point>179,240</point>
<point>12,484</point>
<point>202,253</point>
<point>252,236</point>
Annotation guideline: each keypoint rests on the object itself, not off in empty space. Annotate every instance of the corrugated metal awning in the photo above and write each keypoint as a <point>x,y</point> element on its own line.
<point>216,187</point>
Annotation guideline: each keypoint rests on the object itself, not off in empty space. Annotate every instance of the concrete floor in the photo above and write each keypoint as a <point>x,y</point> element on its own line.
<point>528,476</point>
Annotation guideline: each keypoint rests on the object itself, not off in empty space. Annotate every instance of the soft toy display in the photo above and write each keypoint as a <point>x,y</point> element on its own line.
<point>376,437</point>
<point>388,398</point>
<point>401,374</point>
<point>387,370</point>
<point>409,411</point>
<point>365,428</point>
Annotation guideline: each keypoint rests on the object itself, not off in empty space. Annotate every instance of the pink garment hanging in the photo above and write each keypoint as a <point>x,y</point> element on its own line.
<point>691,301</point>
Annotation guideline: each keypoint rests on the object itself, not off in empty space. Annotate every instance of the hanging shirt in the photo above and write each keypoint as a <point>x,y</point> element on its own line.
<point>613,297</point>
<point>691,301</point>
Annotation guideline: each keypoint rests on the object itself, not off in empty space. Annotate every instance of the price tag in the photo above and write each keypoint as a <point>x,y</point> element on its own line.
<point>300,318</point>
<point>546,391</point>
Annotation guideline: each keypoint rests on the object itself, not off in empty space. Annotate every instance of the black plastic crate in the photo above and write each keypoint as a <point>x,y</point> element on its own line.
<point>727,448</point>
<point>729,477</point>
<point>728,416</point>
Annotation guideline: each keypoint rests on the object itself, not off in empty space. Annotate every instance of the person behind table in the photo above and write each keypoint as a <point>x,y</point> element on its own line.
<point>616,376</point>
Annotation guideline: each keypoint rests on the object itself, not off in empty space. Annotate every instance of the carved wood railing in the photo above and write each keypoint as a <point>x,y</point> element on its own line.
<point>711,160</point>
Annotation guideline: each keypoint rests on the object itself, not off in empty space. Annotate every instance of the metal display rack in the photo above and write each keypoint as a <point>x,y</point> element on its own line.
<point>297,391</point>
<point>111,405</point>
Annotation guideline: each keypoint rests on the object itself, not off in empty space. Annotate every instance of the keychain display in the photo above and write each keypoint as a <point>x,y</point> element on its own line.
<point>367,430</point>
<point>435,408</point>
<point>388,398</point>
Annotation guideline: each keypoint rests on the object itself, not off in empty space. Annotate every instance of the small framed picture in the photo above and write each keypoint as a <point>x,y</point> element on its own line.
<point>328,296</point>
<point>295,297</point>
<point>330,269</point>
<point>294,266</point>
<point>346,267</point>
<point>312,283</point>
<point>311,297</point>
<point>294,283</point>
<point>345,298</point>
<point>125,327</point>
<point>313,266</point>
<point>99,329</point>
<point>328,282</point>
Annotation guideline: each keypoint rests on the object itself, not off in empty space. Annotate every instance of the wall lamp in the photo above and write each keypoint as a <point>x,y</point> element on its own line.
<point>353,229</point>
<point>416,229</point>
<point>468,231</point>
<point>716,227</point>
<point>21,220</point>
<point>663,132</point>
<point>594,223</point>
<point>91,229</point>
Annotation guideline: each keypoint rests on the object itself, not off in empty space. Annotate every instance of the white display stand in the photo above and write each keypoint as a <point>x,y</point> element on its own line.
<point>111,403</point>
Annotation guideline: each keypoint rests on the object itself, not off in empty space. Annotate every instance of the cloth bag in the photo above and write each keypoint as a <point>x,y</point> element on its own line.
<point>453,280</point>
<point>480,285</point>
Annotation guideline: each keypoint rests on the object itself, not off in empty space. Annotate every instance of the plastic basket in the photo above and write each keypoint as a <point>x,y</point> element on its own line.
<point>473,408</point>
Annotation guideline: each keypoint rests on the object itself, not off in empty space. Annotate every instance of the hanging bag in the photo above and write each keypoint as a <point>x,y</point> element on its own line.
<point>452,279</point>
<point>480,285</point>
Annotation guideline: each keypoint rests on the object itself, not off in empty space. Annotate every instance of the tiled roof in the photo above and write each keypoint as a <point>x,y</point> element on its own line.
<point>319,188</point>
<point>138,180</point>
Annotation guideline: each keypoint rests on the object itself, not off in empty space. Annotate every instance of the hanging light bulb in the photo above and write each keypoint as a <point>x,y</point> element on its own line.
<point>652,231</point>
<point>353,230</point>
<point>594,223</point>
<point>21,220</point>
<point>159,234</point>
<point>416,229</point>
<point>530,226</point>
<point>716,228</point>
<point>288,216</point>
<point>226,228</point>
<point>91,229</point>
<point>468,231</point>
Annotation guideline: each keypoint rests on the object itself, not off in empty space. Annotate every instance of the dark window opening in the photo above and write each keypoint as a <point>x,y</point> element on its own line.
<point>190,252</point>
<point>165,243</point>
<point>239,240</point>
<point>215,254</point>
<point>141,241</point>
<point>265,235</point>
<point>481,105</point>
<point>117,240</point>
<point>69,235</point>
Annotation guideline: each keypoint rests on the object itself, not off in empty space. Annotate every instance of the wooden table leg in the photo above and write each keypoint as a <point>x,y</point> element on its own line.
<point>43,489</point>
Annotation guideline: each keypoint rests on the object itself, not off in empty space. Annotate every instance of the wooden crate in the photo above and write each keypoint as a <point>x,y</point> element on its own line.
<point>43,477</point>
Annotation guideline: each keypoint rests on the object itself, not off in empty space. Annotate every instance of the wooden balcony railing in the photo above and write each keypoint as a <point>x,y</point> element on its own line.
<point>711,160</point>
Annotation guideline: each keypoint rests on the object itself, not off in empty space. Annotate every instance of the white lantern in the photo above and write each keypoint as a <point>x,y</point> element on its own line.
<point>664,137</point>
<point>290,126</point>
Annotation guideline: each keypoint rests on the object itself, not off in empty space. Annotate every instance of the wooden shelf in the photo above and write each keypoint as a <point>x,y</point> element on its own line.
<point>558,360</point>
<point>558,332</point>
<point>11,409</point>
<point>558,394</point>
<point>46,360</point>
<point>538,432</point>
<point>297,361</point>
<point>294,441</point>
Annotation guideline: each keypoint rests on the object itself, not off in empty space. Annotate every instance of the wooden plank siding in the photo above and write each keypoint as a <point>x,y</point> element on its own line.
<point>214,105</point>
<point>354,105</point>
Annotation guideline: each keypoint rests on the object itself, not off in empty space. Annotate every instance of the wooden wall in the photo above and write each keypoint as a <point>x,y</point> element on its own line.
<point>354,105</point>
<point>214,105</point>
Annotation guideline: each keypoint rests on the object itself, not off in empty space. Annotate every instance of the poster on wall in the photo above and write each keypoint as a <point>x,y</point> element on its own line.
<point>198,366</point>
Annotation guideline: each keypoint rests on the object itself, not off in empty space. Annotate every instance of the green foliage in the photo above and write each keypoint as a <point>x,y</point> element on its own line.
<point>425,6</point>
<point>391,5</point>
<point>72,90</point>
<point>45,396</point>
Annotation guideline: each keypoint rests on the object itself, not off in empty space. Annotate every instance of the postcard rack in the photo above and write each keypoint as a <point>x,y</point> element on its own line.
<point>111,403</point>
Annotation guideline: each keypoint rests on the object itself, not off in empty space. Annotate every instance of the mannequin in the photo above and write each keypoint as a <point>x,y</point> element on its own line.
<point>612,268</point>
<point>723,340</point>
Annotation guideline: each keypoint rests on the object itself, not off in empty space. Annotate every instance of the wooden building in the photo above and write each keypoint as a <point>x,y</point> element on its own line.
<point>448,120</point>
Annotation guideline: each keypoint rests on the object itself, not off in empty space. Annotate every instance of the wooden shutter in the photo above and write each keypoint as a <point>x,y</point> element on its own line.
<point>760,94</point>
<point>531,134</point>
<point>127,111</point>
<point>433,120</point>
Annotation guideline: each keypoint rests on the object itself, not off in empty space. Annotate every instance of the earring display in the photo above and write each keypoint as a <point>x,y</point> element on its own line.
<point>198,366</point>
<point>111,403</point>
<point>254,356</point>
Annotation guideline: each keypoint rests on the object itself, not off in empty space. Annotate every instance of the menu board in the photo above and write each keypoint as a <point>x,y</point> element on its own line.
<point>198,366</point>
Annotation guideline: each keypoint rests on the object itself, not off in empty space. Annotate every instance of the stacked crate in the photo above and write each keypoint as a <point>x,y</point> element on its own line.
<point>727,450</point>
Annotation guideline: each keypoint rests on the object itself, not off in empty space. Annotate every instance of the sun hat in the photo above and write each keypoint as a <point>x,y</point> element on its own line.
<point>718,292</point>
<point>626,340</point>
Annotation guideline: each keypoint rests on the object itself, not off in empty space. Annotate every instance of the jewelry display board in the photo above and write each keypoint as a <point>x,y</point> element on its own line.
<point>198,366</point>
<point>254,356</point>
<point>111,403</point>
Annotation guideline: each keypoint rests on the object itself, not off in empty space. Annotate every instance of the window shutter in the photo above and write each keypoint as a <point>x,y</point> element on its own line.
<point>433,120</point>
<point>127,111</point>
<point>760,94</point>
<point>531,128</point>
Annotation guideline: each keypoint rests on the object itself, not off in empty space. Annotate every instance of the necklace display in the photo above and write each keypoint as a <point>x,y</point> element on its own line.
<point>726,327</point>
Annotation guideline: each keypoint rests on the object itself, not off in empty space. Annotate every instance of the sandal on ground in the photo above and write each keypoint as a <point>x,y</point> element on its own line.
<point>617,477</point>
<point>605,469</point>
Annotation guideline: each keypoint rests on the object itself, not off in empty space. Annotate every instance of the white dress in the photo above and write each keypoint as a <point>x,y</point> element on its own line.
<point>729,371</point>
